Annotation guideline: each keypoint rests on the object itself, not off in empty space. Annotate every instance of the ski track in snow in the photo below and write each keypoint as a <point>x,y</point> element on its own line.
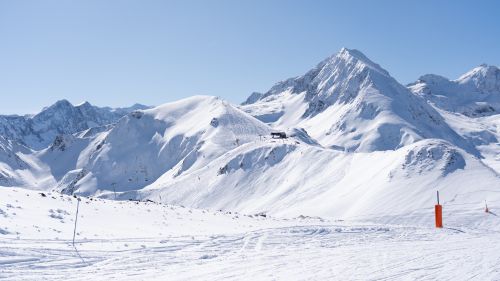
<point>122,240</point>
<point>282,253</point>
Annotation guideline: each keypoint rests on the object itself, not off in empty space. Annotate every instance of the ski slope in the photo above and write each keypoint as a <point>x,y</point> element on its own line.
<point>127,240</point>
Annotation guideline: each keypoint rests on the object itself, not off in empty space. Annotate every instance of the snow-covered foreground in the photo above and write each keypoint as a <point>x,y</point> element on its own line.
<point>301,252</point>
<point>125,240</point>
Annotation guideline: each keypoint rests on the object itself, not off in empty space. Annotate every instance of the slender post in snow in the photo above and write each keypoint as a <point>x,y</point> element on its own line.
<point>76,220</point>
<point>114,188</point>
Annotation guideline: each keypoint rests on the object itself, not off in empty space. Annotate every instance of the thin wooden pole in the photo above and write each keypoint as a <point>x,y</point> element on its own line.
<point>114,189</point>
<point>76,219</point>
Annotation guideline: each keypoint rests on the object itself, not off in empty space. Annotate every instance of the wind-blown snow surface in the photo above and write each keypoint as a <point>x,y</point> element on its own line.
<point>150,241</point>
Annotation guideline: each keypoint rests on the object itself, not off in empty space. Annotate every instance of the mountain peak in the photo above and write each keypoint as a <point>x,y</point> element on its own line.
<point>351,102</point>
<point>63,102</point>
<point>330,77</point>
<point>352,53</point>
<point>356,56</point>
<point>341,74</point>
<point>475,93</point>
<point>485,78</point>
<point>84,104</point>
<point>337,78</point>
<point>38,131</point>
<point>432,79</point>
<point>481,71</point>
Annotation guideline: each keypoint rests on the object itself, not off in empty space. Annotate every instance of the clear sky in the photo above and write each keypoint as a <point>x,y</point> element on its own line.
<point>119,52</point>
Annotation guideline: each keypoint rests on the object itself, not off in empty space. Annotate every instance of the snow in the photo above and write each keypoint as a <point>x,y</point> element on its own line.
<point>483,132</point>
<point>19,167</point>
<point>39,130</point>
<point>470,105</point>
<point>475,94</point>
<point>203,152</point>
<point>349,102</point>
<point>293,179</point>
<point>345,117</point>
<point>166,141</point>
<point>128,240</point>
<point>349,194</point>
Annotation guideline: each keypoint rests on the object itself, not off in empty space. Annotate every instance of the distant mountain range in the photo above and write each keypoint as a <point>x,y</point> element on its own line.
<point>39,130</point>
<point>357,142</point>
<point>475,94</point>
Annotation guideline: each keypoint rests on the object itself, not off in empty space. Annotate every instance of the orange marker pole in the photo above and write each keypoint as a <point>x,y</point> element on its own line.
<point>438,210</point>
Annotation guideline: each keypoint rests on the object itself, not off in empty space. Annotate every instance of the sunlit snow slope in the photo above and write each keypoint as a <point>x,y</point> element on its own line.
<point>347,102</point>
<point>359,144</point>
<point>476,93</point>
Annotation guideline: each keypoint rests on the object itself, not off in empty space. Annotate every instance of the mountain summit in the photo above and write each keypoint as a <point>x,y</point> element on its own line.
<point>166,141</point>
<point>348,102</point>
<point>336,78</point>
<point>474,94</point>
<point>484,78</point>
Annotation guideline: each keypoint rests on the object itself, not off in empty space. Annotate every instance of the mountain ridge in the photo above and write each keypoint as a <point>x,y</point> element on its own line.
<point>356,140</point>
<point>37,131</point>
<point>476,93</point>
<point>348,101</point>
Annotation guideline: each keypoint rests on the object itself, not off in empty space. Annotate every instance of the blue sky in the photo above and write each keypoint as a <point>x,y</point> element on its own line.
<point>120,52</point>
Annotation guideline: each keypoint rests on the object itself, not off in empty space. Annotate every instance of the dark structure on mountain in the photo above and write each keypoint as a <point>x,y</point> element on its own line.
<point>278,135</point>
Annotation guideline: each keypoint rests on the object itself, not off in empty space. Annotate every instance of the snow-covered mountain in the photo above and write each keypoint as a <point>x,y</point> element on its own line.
<point>295,178</point>
<point>20,167</point>
<point>39,130</point>
<point>470,105</point>
<point>166,141</point>
<point>359,143</point>
<point>474,94</point>
<point>350,103</point>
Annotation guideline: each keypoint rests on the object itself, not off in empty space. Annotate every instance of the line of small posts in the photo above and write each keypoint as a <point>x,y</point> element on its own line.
<point>438,211</point>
